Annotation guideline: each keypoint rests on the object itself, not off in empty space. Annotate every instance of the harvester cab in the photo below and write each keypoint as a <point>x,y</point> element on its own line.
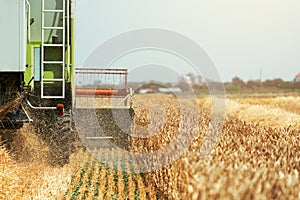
<point>39,81</point>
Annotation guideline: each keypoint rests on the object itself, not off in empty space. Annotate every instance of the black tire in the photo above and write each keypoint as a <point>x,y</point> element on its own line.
<point>58,132</point>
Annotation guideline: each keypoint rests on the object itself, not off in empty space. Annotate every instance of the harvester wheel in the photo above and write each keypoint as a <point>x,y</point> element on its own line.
<point>63,139</point>
<point>58,133</point>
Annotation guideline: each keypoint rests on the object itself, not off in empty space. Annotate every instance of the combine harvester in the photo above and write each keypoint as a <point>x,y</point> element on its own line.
<point>40,83</point>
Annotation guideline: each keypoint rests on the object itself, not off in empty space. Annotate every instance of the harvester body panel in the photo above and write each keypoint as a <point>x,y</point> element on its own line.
<point>12,36</point>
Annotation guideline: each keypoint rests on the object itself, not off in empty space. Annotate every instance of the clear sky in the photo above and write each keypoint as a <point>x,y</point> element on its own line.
<point>242,37</point>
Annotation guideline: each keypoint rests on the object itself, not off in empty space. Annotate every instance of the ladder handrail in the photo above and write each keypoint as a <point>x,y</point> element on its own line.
<point>28,21</point>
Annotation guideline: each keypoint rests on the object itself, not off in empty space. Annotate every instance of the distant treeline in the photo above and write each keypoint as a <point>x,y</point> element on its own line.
<point>237,85</point>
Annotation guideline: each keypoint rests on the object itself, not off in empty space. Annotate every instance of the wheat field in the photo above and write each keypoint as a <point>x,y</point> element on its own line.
<point>257,156</point>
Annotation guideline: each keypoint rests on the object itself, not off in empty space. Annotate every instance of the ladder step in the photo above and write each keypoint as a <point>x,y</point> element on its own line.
<point>52,97</point>
<point>55,11</point>
<point>53,80</point>
<point>53,62</point>
<point>53,45</point>
<point>54,28</point>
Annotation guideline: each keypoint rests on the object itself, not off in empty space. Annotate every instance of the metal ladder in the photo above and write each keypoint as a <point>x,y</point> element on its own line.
<point>44,46</point>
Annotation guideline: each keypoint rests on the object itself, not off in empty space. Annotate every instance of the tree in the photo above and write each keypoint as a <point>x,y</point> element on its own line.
<point>251,84</point>
<point>238,82</point>
<point>275,83</point>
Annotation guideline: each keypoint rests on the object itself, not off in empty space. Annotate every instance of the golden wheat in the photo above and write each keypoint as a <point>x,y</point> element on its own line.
<point>263,115</point>
<point>288,103</point>
<point>257,157</point>
<point>25,172</point>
